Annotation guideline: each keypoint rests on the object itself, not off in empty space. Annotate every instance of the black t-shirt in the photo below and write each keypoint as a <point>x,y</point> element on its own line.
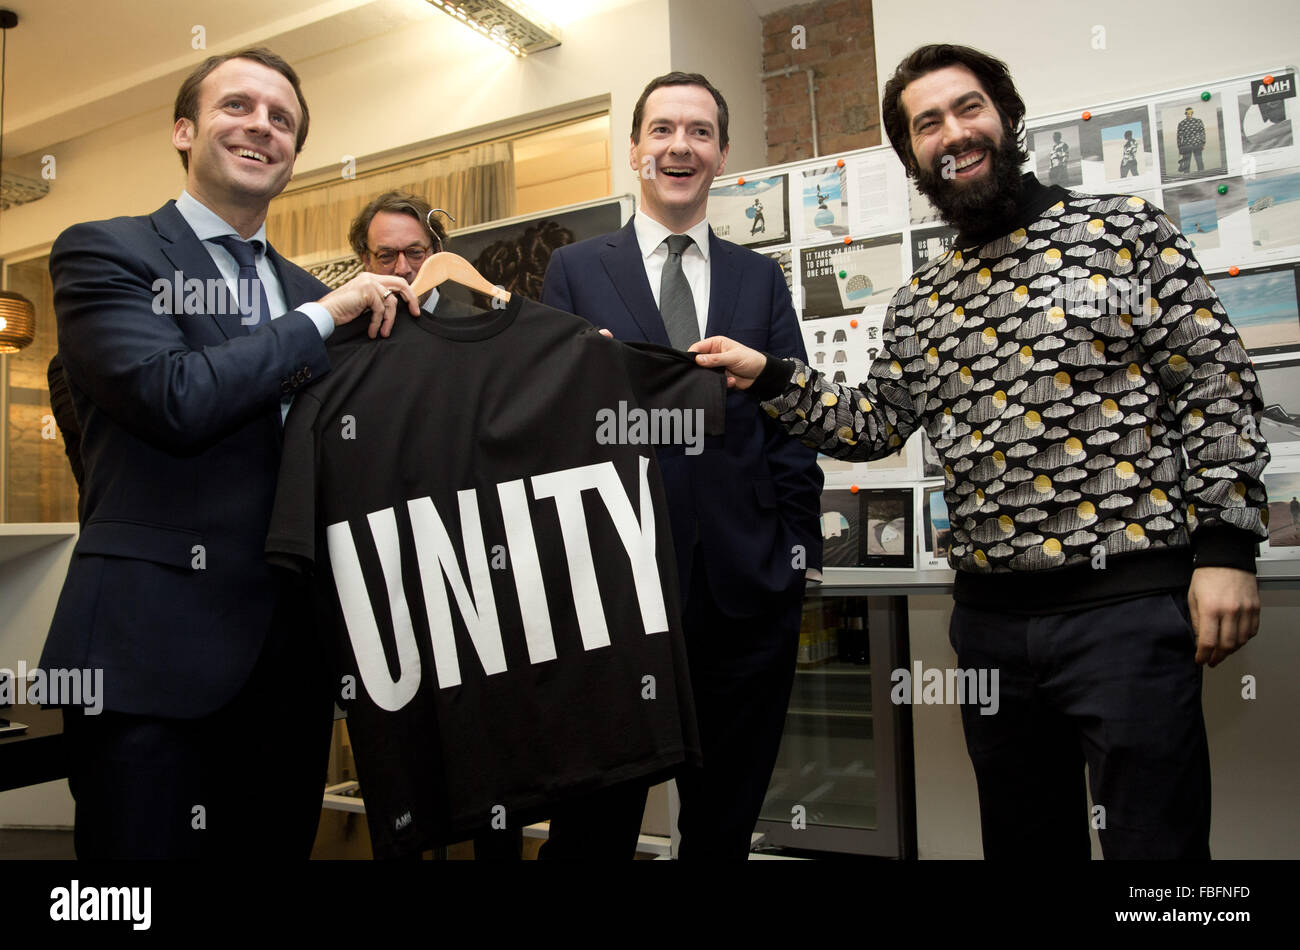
<point>494,560</point>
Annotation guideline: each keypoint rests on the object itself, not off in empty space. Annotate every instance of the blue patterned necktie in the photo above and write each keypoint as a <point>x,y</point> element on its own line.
<point>250,293</point>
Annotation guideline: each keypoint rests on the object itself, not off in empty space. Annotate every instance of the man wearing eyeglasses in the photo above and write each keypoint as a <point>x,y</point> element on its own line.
<point>395,233</point>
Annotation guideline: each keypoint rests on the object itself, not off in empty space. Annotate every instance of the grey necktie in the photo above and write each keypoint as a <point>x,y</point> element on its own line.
<point>676,302</point>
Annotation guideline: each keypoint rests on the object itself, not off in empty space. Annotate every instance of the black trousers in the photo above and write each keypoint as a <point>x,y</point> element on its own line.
<point>245,780</point>
<point>742,671</point>
<point>1114,686</point>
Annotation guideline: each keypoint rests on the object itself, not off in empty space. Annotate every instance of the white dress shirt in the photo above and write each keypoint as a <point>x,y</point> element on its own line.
<point>651,235</point>
<point>207,224</point>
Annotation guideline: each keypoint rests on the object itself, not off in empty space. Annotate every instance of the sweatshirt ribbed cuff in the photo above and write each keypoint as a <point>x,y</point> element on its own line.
<point>773,380</point>
<point>1224,546</point>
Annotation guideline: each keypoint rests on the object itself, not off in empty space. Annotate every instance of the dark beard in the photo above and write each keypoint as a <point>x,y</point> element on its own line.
<point>982,205</point>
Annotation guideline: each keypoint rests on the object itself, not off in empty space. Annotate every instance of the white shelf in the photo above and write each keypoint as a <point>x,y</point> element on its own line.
<point>19,540</point>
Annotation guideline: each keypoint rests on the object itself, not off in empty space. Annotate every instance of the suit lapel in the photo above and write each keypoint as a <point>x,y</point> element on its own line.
<point>724,286</point>
<point>626,269</point>
<point>188,256</point>
<point>298,285</point>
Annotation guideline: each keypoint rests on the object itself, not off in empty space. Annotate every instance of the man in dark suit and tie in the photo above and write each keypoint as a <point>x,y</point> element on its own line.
<point>183,337</point>
<point>744,513</point>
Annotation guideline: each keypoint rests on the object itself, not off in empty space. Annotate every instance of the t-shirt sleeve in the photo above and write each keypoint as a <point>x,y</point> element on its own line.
<point>291,538</point>
<point>664,378</point>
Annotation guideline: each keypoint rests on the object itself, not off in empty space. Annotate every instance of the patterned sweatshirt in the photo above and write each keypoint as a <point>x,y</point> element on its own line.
<point>1061,365</point>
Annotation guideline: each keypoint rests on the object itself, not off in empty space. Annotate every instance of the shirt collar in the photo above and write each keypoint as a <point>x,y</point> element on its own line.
<point>650,234</point>
<point>207,224</point>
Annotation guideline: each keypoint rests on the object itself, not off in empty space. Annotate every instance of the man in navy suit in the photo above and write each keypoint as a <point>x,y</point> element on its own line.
<point>183,337</point>
<point>745,513</point>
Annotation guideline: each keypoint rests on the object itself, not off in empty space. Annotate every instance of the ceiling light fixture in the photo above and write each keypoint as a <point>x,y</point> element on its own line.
<point>510,24</point>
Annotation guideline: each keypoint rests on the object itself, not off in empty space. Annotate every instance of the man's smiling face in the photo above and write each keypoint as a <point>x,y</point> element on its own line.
<point>964,159</point>
<point>243,144</point>
<point>950,115</point>
<point>678,155</point>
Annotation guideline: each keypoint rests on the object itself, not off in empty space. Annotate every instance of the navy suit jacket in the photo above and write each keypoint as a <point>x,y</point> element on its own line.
<point>749,505</point>
<point>168,591</point>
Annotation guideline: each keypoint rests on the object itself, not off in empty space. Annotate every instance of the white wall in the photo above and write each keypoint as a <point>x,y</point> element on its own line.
<point>723,39</point>
<point>363,104</point>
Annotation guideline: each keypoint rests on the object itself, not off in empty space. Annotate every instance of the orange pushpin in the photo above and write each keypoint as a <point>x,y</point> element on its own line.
<point>848,240</point>
<point>853,324</point>
<point>854,489</point>
<point>839,163</point>
<point>1087,116</point>
<point>1234,270</point>
<point>1268,80</point>
<point>740,181</point>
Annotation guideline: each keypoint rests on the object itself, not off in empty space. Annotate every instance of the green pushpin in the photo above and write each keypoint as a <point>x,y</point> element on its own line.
<point>843,274</point>
<point>1223,189</point>
<point>1205,97</point>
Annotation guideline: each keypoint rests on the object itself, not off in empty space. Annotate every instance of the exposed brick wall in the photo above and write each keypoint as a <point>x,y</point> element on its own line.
<point>840,47</point>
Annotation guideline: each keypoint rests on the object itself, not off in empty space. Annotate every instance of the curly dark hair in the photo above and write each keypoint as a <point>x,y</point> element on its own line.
<point>520,265</point>
<point>990,71</point>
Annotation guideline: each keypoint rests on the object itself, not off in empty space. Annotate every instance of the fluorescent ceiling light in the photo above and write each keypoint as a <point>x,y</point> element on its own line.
<point>508,23</point>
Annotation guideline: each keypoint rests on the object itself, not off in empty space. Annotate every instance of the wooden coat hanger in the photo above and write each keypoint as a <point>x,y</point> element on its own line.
<point>444,266</point>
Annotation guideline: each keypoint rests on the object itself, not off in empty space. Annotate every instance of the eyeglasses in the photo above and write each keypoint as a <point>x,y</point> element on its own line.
<point>387,257</point>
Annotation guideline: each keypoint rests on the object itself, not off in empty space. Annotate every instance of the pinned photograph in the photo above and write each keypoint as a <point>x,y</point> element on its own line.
<point>825,202</point>
<point>1122,151</point>
<point>841,524</point>
<point>1279,382</point>
<point>1263,305</point>
<point>887,518</point>
<point>754,214</point>
<point>1274,200</point>
<point>1265,125</point>
<point>840,279</point>
<point>937,537</point>
<point>1283,490</point>
<point>1191,138</point>
<point>929,244</point>
<point>1115,148</point>
<point>1200,211</point>
<point>1057,158</point>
